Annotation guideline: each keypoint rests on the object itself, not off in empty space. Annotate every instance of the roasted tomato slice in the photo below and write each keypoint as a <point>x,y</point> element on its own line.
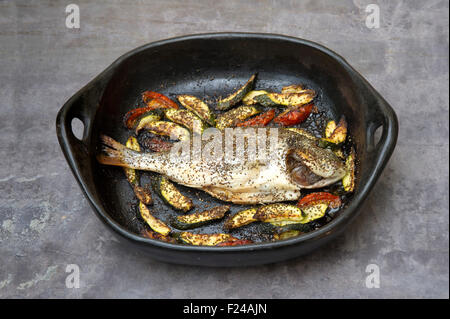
<point>320,198</point>
<point>149,96</point>
<point>294,115</point>
<point>238,242</point>
<point>259,120</point>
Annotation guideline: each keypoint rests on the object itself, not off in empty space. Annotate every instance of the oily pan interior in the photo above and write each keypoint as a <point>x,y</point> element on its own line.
<point>209,69</point>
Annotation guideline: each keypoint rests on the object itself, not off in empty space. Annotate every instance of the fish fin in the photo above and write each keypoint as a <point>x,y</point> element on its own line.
<point>112,152</point>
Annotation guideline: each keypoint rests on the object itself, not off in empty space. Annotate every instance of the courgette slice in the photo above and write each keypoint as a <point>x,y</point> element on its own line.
<point>277,228</point>
<point>174,131</point>
<point>287,234</point>
<point>200,218</point>
<point>294,88</point>
<point>131,173</point>
<point>204,239</point>
<point>279,212</point>
<point>171,195</point>
<point>144,120</point>
<point>335,134</point>
<point>314,212</point>
<point>154,223</point>
<point>132,176</point>
<point>187,119</point>
<point>234,116</point>
<point>198,107</point>
<point>236,97</point>
<point>286,99</point>
<point>349,179</point>
<point>249,98</point>
<point>242,218</point>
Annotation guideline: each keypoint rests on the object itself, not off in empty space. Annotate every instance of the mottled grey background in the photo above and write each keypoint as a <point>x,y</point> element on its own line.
<point>46,223</point>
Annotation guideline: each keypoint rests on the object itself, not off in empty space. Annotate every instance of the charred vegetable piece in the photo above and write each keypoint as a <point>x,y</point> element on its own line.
<point>338,152</point>
<point>187,119</point>
<point>236,97</point>
<point>314,212</point>
<point>141,193</point>
<point>144,120</point>
<point>132,118</point>
<point>294,88</point>
<point>232,117</point>
<point>171,195</point>
<point>242,218</point>
<point>156,144</point>
<point>238,242</point>
<point>259,120</point>
<point>335,134</point>
<point>150,97</point>
<point>154,235</point>
<point>174,131</point>
<point>200,218</point>
<point>204,239</point>
<point>249,98</point>
<point>349,179</point>
<point>130,173</point>
<point>287,234</point>
<point>294,115</point>
<point>303,132</point>
<point>277,228</point>
<point>287,99</point>
<point>320,198</point>
<point>279,213</point>
<point>198,107</point>
<point>154,223</point>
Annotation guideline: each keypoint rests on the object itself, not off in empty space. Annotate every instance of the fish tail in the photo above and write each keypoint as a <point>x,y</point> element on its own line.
<point>112,152</point>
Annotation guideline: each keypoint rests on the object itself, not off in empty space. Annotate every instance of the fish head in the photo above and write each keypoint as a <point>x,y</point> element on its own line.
<point>311,166</point>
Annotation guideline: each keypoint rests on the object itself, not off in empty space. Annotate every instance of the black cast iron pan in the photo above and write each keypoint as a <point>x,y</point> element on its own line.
<point>208,65</point>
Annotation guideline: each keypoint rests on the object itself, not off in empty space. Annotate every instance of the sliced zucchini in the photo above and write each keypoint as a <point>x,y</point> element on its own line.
<point>204,239</point>
<point>198,107</point>
<point>287,99</point>
<point>172,196</point>
<point>143,194</point>
<point>314,212</point>
<point>131,173</point>
<point>349,179</point>
<point>335,134</point>
<point>154,223</point>
<point>200,218</point>
<point>234,116</point>
<point>287,234</point>
<point>187,119</point>
<point>249,99</point>
<point>145,119</point>
<point>294,88</point>
<point>277,228</point>
<point>236,97</point>
<point>242,218</point>
<point>132,176</point>
<point>174,131</point>
<point>279,213</point>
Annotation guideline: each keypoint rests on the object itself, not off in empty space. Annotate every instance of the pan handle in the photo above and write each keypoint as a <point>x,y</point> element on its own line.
<point>83,106</point>
<point>381,150</point>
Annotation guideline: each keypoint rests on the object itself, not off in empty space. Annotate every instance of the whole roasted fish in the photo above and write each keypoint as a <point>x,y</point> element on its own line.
<point>295,162</point>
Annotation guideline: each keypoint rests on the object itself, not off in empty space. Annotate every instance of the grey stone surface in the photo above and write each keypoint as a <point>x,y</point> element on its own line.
<point>46,223</point>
